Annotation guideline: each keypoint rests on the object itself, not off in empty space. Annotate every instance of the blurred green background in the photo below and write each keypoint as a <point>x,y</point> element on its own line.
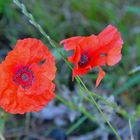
<point>62,19</point>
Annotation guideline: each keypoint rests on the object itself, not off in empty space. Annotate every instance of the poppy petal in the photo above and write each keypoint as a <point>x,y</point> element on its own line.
<point>107,34</point>
<point>50,65</point>
<point>89,44</point>
<point>71,43</point>
<point>76,57</point>
<point>114,56</point>
<point>111,45</point>
<point>36,54</point>
<point>100,76</point>
<point>40,75</point>
<point>81,71</point>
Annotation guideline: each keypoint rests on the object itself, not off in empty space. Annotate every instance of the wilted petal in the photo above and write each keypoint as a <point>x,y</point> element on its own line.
<point>100,76</point>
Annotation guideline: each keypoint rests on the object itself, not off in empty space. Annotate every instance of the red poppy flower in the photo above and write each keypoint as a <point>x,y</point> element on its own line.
<point>26,77</point>
<point>94,51</point>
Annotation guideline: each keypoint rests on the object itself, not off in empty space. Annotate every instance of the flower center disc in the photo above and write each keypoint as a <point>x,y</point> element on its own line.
<point>83,60</point>
<point>24,77</point>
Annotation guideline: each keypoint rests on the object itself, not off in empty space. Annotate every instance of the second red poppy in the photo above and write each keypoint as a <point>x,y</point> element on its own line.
<point>95,51</point>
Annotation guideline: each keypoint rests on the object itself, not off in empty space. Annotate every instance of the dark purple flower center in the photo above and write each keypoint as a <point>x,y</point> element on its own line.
<point>24,77</point>
<point>84,59</point>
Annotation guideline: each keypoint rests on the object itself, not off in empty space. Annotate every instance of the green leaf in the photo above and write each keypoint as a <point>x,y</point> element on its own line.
<point>131,82</point>
<point>133,9</point>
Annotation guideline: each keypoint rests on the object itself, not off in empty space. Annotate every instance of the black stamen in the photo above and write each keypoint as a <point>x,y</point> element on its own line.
<point>83,60</point>
<point>24,77</point>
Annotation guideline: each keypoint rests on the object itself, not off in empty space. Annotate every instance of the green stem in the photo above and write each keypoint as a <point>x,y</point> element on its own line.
<point>105,118</point>
<point>81,109</point>
<point>118,109</point>
<point>77,124</point>
<point>69,104</point>
<point>97,106</point>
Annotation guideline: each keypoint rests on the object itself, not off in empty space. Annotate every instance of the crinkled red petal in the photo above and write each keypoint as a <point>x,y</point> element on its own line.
<point>34,54</point>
